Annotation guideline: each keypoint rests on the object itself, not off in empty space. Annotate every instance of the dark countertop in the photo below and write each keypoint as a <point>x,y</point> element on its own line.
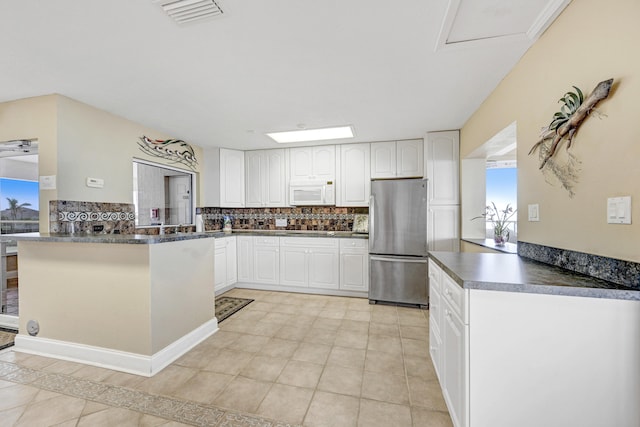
<point>511,273</point>
<point>106,238</point>
<point>293,233</point>
<point>165,238</point>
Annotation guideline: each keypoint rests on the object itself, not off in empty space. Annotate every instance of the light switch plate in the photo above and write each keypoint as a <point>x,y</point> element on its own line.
<point>47,182</point>
<point>534,212</point>
<point>619,210</point>
<point>281,222</point>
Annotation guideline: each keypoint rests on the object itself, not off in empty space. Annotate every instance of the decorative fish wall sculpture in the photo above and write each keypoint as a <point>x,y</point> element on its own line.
<point>174,150</point>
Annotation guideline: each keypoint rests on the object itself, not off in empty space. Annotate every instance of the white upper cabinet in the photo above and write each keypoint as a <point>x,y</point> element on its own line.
<point>397,159</point>
<point>383,159</point>
<point>313,163</point>
<point>265,178</point>
<point>442,159</point>
<point>354,183</point>
<point>409,158</point>
<point>223,178</point>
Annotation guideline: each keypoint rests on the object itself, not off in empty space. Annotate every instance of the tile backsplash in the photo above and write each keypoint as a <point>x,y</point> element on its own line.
<point>68,216</point>
<point>312,218</point>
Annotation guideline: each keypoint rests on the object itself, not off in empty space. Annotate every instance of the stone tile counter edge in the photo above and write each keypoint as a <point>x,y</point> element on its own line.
<point>507,273</point>
<point>107,238</point>
<point>291,233</point>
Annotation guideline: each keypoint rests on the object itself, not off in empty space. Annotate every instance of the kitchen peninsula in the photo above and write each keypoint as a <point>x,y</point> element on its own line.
<point>519,342</point>
<point>132,303</point>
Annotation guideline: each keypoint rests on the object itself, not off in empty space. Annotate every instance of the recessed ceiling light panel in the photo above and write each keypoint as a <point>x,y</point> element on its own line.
<point>183,11</point>
<point>306,135</point>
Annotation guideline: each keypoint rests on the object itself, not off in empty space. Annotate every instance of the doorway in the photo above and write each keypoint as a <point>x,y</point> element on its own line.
<point>19,213</point>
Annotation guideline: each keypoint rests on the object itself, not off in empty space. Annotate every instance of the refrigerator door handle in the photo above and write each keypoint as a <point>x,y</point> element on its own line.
<point>399,259</point>
<point>372,210</point>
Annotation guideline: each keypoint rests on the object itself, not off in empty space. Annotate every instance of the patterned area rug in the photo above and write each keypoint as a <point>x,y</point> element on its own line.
<point>6,337</point>
<point>226,306</point>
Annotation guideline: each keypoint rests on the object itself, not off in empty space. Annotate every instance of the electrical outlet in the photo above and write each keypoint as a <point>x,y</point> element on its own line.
<point>281,222</point>
<point>98,228</point>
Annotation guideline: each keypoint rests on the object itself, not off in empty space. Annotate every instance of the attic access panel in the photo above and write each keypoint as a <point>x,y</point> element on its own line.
<point>473,21</point>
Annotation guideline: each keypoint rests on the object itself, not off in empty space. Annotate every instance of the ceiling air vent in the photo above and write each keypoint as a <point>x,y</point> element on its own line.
<point>183,11</point>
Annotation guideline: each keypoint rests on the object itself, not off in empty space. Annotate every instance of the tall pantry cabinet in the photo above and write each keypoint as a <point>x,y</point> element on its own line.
<point>441,160</point>
<point>223,178</point>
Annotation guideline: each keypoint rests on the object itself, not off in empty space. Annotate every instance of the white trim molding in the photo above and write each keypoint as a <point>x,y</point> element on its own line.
<point>132,363</point>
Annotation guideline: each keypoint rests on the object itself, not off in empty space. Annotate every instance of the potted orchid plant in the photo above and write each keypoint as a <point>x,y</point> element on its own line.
<point>500,220</point>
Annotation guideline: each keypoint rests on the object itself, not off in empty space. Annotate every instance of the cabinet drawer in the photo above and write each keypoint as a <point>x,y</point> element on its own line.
<point>435,274</point>
<point>266,241</point>
<point>354,244</point>
<point>455,296</point>
<point>310,242</point>
<point>221,242</point>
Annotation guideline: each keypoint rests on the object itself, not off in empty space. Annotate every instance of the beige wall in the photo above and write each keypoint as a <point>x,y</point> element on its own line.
<point>94,143</point>
<point>35,118</point>
<point>77,141</point>
<point>590,41</point>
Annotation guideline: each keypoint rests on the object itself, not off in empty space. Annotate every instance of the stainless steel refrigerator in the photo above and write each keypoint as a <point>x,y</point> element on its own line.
<point>398,242</point>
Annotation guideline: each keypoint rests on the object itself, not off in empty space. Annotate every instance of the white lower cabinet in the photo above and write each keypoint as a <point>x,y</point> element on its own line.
<point>266,256</point>
<point>354,265</point>
<point>225,263</point>
<point>309,262</point>
<point>449,341</point>
<point>523,359</point>
<point>294,266</point>
<point>435,317</point>
<point>455,365</point>
<point>245,258</point>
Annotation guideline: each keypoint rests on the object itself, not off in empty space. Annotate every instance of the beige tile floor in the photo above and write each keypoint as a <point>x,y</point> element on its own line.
<point>285,359</point>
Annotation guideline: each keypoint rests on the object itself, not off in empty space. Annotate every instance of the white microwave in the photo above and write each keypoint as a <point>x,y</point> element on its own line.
<point>312,193</point>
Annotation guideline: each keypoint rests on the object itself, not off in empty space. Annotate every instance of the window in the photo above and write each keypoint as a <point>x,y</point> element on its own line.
<point>162,195</point>
<point>19,210</point>
<point>489,174</point>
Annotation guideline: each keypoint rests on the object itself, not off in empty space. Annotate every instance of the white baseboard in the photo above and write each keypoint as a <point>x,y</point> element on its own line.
<point>132,363</point>
<point>7,321</point>
<point>315,291</point>
<point>221,290</point>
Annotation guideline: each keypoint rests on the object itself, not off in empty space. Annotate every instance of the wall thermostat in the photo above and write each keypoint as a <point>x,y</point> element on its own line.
<point>95,182</point>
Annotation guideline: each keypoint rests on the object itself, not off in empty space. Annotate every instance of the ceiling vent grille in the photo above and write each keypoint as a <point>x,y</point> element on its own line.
<point>183,11</point>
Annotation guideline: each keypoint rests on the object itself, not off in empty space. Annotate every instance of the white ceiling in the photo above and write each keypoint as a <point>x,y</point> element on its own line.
<point>270,65</point>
